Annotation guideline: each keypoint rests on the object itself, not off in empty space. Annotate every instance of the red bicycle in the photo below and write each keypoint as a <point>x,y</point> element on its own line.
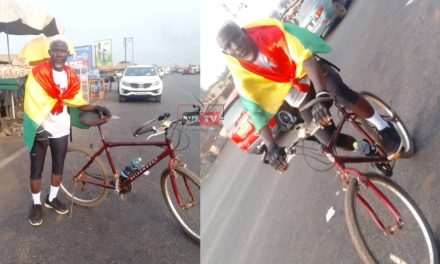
<point>385,224</point>
<point>86,181</point>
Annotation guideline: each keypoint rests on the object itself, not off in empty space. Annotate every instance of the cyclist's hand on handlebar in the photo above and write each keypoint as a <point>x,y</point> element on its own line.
<point>277,158</point>
<point>102,111</point>
<point>320,111</point>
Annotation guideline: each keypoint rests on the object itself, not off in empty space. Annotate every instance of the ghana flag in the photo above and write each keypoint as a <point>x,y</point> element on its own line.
<point>262,90</point>
<point>42,96</point>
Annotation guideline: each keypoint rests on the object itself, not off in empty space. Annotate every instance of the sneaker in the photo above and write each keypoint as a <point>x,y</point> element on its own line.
<point>391,141</point>
<point>57,205</point>
<point>36,215</point>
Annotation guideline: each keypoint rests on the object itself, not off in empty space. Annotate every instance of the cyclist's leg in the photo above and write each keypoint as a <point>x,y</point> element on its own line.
<point>58,149</point>
<point>359,105</point>
<point>344,95</point>
<point>37,157</point>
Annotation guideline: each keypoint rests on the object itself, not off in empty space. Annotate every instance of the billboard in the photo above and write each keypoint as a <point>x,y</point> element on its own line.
<point>103,54</point>
<point>83,57</point>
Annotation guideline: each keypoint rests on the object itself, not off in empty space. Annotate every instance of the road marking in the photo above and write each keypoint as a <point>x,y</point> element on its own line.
<point>396,259</point>
<point>11,158</point>
<point>409,2</point>
<point>330,213</point>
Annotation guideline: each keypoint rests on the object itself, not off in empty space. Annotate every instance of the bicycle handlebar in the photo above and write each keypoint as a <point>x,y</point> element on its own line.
<point>146,128</point>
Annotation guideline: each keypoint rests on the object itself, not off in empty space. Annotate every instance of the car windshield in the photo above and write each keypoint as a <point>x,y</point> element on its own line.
<point>306,8</point>
<point>140,71</point>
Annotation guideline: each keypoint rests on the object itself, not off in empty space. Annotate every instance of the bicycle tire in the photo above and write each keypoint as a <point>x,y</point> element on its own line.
<point>390,115</point>
<point>190,221</point>
<point>84,194</point>
<point>358,223</point>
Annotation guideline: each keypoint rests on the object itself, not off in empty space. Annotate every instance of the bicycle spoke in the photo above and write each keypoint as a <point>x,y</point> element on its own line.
<point>86,193</point>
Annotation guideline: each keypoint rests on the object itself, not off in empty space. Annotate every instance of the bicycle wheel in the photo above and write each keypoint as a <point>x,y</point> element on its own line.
<point>413,243</point>
<point>81,193</point>
<point>188,217</point>
<point>390,115</point>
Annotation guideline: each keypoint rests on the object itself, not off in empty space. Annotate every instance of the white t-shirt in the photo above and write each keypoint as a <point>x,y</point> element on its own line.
<point>58,124</point>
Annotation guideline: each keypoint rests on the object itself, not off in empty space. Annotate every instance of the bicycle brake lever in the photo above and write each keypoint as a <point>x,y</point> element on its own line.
<point>158,132</point>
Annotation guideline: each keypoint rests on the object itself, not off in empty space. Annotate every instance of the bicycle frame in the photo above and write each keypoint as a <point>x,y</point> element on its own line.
<point>168,152</point>
<point>344,171</point>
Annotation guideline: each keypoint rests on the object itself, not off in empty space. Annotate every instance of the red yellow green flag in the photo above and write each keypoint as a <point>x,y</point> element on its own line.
<point>287,46</point>
<point>43,96</point>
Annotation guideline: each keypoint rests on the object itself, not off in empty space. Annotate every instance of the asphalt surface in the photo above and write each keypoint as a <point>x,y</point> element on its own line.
<point>136,229</point>
<point>251,214</point>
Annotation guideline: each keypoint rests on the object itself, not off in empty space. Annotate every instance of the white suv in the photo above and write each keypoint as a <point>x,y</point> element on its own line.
<point>140,80</point>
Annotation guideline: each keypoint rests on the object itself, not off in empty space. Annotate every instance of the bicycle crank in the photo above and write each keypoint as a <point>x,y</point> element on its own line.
<point>126,189</point>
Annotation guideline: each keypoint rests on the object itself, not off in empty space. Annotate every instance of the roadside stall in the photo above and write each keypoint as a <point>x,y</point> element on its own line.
<point>12,80</point>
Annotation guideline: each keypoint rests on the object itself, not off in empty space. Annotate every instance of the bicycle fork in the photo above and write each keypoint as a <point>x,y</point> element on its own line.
<point>364,182</point>
<point>183,205</point>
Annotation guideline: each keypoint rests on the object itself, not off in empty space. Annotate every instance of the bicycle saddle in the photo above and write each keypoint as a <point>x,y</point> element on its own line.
<point>91,118</point>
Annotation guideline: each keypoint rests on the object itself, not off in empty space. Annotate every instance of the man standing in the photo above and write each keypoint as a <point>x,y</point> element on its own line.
<point>51,88</point>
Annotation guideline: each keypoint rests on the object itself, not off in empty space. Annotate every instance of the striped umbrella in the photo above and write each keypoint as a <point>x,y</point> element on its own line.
<point>24,19</point>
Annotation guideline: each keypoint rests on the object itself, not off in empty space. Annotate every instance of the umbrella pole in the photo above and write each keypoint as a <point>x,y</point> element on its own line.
<point>7,41</point>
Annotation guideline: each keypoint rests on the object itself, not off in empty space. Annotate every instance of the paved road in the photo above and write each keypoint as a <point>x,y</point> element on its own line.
<point>139,229</point>
<point>251,214</point>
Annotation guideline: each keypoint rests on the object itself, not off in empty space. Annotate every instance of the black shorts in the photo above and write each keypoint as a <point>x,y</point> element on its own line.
<point>336,87</point>
<point>58,150</point>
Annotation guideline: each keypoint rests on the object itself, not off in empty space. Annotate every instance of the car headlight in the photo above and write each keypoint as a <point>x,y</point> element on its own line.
<point>125,83</point>
<point>156,83</point>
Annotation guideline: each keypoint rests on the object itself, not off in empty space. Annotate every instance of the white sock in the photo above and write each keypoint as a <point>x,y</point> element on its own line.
<point>378,121</point>
<point>53,192</point>
<point>36,198</point>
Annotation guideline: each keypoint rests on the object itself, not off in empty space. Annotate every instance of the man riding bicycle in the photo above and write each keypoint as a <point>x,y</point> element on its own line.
<point>271,61</point>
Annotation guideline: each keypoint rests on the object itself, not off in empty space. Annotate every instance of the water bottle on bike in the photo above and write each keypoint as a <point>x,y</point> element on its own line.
<point>134,165</point>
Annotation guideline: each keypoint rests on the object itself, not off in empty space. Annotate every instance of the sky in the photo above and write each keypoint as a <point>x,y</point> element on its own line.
<point>165,32</point>
<point>214,14</point>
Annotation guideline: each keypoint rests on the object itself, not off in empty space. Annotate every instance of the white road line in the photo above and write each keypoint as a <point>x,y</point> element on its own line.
<point>409,2</point>
<point>396,259</point>
<point>330,213</point>
<point>11,158</point>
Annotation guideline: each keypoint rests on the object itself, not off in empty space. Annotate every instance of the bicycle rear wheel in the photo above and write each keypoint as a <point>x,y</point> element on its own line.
<point>80,192</point>
<point>188,216</point>
<point>390,115</point>
<point>413,243</point>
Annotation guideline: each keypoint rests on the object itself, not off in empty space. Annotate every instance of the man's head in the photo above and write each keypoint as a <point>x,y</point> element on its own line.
<point>58,51</point>
<point>235,42</point>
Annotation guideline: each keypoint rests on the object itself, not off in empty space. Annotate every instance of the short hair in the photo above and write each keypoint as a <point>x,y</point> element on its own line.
<point>58,38</point>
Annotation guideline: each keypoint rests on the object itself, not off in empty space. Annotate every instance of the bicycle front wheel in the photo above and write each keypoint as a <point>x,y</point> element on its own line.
<point>188,188</point>
<point>81,192</point>
<point>390,115</point>
<point>412,243</point>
